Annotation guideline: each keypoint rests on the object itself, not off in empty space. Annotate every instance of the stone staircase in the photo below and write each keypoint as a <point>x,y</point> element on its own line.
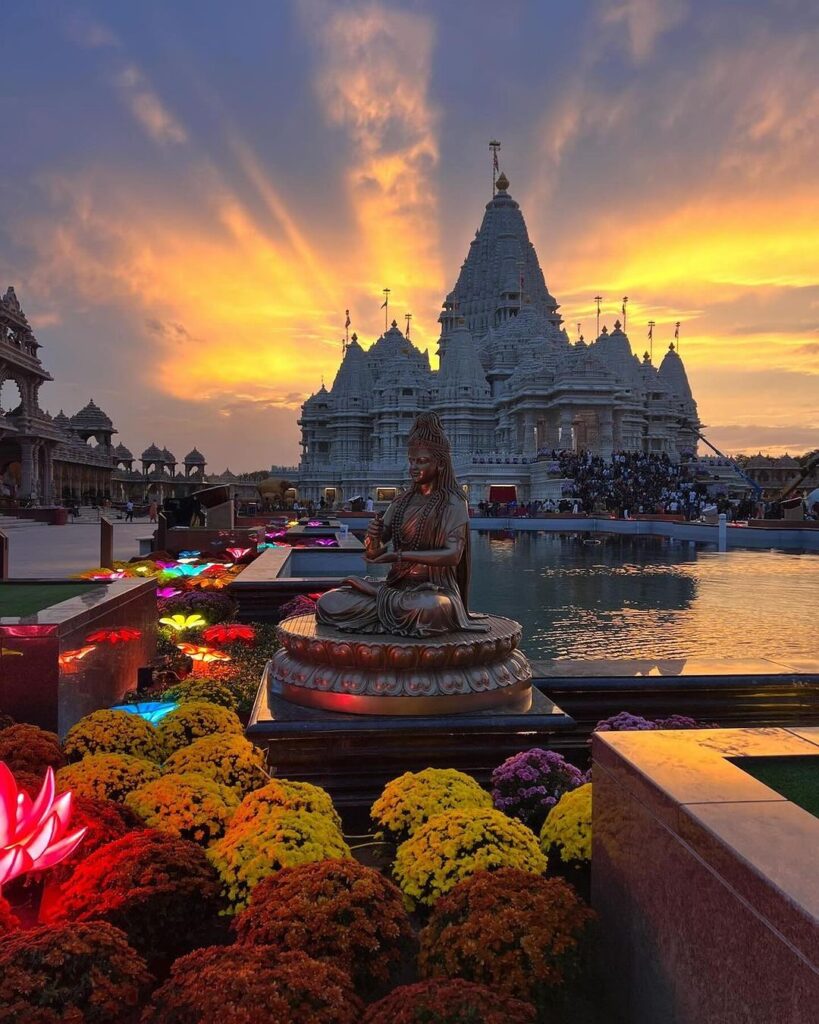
<point>9,523</point>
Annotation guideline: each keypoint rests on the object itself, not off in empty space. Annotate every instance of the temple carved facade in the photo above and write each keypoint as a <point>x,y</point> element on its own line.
<point>510,386</point>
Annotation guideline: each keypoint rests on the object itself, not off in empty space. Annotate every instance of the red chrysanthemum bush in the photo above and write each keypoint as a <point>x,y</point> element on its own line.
<point>445,1001</point>
<point>9,922</point>
<point>104,822</point>
<point>71,974</point>
<point>160,890</point>
<point>254,985</point>
<point>27,748</point>
<point>514,932</point>
<point>335,910</point>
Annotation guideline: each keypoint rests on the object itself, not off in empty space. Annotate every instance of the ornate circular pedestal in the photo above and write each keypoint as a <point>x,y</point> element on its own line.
<point>379,674</point>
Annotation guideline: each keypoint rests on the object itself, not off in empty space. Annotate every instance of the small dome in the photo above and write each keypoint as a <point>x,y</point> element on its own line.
<point>152,454</point>
<point>194,458</point>
<point>122,454</point>
<point>91,417</point>
<point>168,456</point>
<point>62,421</point>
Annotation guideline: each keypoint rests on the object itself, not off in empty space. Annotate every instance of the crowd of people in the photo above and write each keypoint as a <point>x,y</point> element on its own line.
<point>626,485</point>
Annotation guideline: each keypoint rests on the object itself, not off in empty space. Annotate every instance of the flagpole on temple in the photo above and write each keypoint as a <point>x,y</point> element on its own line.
<point>598,299</point>
<point>651,325</point>
<point>407,317</point>
<point>386,307</point>
<point>677,335</point>
<point>625,303</point>
<point>494,145</point>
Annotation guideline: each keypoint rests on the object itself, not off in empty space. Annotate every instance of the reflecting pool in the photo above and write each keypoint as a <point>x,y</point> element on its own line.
<point>614,597</point>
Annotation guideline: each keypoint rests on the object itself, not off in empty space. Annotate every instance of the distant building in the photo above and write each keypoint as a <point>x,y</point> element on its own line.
<point>73,458</point>
<point>510,387</point>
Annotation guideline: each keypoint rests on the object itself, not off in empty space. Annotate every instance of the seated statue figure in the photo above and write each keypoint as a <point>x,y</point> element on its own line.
<point>424,537</point>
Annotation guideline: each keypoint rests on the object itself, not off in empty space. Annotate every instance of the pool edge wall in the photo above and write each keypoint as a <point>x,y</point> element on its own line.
<point>703,879</point>
<point>47,684</point>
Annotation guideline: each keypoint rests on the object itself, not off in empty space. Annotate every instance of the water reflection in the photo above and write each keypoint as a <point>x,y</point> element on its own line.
<point>647,598</point>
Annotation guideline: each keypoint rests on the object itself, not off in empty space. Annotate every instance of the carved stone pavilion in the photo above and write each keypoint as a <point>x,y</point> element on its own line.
<point>510,386</point>
<point>49,459</point>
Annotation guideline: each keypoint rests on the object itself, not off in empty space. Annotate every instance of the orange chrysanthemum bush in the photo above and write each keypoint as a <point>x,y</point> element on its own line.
<point>190,806</point>
<point>259,848</point>
<point>194,688</point>
<point>335,910</point>
<point>253,985</point>
<point>195,719</point>
<point>106,776</point>
<point>442,1001</point>
<point>77,973</point>
<point>27,748</point>
<point>227,759</point>
<point>9,922</point>
<point>455,845</point>
<point>160,890</point>
<point>510,931</point>
<point>409,801</point>
<point>113,732</point>
<point>283,794</point>
<point>104,822</point>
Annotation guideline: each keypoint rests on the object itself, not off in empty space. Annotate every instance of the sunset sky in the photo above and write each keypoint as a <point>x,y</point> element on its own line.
<point>193,192</point>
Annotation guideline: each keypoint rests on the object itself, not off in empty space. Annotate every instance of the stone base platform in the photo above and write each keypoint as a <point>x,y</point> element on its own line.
<point>380,674</point>
<point>354,756</point>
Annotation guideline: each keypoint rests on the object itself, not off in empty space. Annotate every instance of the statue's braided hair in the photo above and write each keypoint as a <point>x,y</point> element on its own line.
<point>428,432</point>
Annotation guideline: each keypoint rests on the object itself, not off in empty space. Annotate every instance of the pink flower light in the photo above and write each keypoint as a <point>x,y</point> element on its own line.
<point>33,833</point>
<point>237,554</point>
<point>165,592</point>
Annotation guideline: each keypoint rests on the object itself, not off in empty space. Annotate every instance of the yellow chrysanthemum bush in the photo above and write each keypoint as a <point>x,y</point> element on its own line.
<point>107,776</point>
<point>568,826</point>
<point>285,795</point>
<point>454,845</point>
<point>197,687</point>
<point>195,719</point>
<point>190,806</point>
<point>259,848</point>
<point>113,732</point>
<point>228,759</point>
<point>409,801</point>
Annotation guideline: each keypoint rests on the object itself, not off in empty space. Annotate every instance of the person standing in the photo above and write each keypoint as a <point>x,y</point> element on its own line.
<point>129,511</point>
<point>152,512</point>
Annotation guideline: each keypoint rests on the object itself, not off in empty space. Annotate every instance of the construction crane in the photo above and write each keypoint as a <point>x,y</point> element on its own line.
<point>757,489</point>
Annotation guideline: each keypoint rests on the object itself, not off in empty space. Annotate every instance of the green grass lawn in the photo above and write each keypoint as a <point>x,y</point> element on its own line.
<point>28,598</point>
<point>795,777</point>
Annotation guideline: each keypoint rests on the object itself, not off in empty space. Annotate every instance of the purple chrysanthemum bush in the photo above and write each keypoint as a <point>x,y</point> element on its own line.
<point>529,784</point>
<point>626,722</point>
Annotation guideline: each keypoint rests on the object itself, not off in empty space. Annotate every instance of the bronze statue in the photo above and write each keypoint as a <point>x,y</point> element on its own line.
<point>424,537</point>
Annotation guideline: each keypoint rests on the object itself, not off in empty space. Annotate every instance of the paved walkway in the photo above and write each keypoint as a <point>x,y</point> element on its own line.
<point>53,551</point>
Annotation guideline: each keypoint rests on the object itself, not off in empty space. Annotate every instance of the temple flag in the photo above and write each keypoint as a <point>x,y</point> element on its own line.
<point>347,322</point>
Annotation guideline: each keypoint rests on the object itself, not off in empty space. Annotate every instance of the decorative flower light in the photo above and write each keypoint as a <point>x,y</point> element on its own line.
<point>212,582</point>
<point>185,570</point>
<point>102,574</point>
<point>227,634</point>
<point>293,522</point>
<point>123,635</point>
<point>165,564</point>
<point>166,592</point>
<point>314,522</point>
<point>33,833</point>
<point>326,542</point>
<point>6,652</point>
<point>151,710</point>
<point>217,568</point>
<point>201,655</point>
<point>70,658</point>
<point>179,622</point>
<point>275,534</point>
<point>237,554</point>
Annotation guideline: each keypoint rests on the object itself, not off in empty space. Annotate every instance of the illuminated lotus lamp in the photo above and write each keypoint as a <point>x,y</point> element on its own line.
<point>123,635</point>
<point>166,592</point>
<point>179,622</point>
<point>237,554</point>
<point>7,652</point>
<point>293,522</point>
<point>314,522</point>
<point>152,711</point>
<point>69,659</point>
<point>33,833</point>
<point>201,656</point>
<point>184,570</point>
<point>228,634</point>
<point>217,569</point>
<point>102,575</point>
<point>325,542</point>
<point>212,582</point>
<point>189,554</point>
<point>275,534</point>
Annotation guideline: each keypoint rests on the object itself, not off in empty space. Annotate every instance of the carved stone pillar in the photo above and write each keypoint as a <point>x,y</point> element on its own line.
<point>606,440</point>
<point>566,429</point>
<point>528,433</point>
<point>26,469</point>
<point>47,479</point>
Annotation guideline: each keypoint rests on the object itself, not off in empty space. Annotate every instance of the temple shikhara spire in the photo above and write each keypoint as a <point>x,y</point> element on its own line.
<point>510,386</point>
